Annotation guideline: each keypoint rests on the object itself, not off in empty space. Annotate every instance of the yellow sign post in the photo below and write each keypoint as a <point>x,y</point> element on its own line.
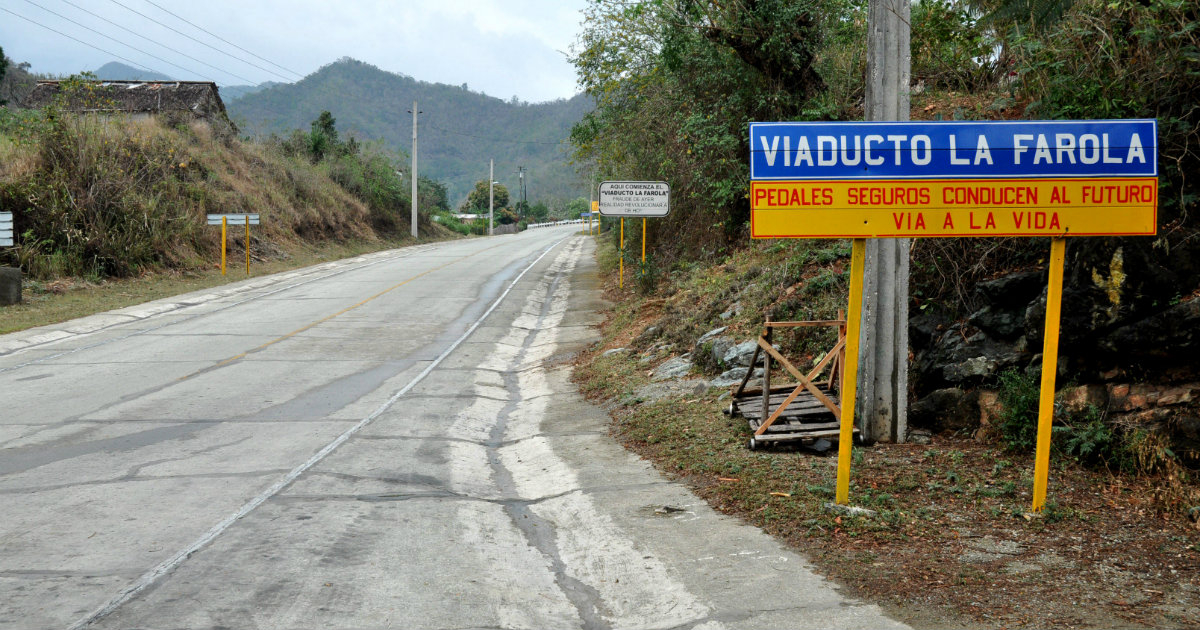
<point>858,254</point>
<point>643,241</point>
<point>226,220</point>
<point>621,259</point>
<point>1041,466</point>
<point>954,179</point>
<point>247,248</point>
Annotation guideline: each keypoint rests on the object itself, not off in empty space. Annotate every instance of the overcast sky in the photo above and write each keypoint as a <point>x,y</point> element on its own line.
<point>500,48</point>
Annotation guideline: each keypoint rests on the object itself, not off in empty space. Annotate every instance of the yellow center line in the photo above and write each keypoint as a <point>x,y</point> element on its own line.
<point>272,342</point>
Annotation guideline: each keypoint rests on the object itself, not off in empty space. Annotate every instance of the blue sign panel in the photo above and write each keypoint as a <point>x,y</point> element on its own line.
<point>978,149</point>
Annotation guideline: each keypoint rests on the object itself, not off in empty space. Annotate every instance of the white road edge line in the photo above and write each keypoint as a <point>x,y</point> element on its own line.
<point>335,272</point>
<point>170,564</point>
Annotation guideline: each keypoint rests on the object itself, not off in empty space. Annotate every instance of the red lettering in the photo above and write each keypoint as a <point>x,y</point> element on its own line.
<point>1054,221</point>
<point>948,222</point>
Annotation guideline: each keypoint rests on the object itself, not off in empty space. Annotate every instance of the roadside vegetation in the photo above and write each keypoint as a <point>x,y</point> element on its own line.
<point>949,541</point>
<point>101,198</point>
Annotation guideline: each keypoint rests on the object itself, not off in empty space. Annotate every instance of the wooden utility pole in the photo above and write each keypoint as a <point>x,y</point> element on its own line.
<point>883,376</point>
<point>491,194</point>
<point>414,170</point>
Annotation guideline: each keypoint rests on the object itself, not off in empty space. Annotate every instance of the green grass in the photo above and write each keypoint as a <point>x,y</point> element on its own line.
<point>58,301</point>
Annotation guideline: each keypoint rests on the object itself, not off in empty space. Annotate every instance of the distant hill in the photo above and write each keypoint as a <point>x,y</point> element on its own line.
<point>458,131</point>
<point>113,71</point>
<point>230,93</point>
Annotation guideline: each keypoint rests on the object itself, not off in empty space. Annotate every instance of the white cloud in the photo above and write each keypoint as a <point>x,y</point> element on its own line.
<point>501,48</point>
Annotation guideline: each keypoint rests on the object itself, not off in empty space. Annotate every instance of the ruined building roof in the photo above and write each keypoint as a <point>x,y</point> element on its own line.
<point>200,98</point>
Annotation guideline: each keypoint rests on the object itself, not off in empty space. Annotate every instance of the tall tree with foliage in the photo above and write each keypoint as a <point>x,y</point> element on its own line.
<point>3,69</point>
<point>675,83</point>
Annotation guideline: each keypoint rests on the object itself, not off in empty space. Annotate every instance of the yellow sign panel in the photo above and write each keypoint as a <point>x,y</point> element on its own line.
<point>595,206</point>
<point>953,207</point>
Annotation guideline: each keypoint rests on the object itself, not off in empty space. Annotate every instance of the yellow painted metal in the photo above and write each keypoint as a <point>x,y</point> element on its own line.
<point>247,246</point>
<point>224,235</point>
<point>1041,466</point>
<point>849,388</point>
<point>621,260</point>
<point>941,208</point>
<point>643,241</point>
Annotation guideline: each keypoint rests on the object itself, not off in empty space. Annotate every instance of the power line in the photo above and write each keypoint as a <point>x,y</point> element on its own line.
<point>81,41</point>
<point>178,52</point>
<point>161,8</point>
<point>148,54</point>
<point>502,140</point>
<point>251,63</point>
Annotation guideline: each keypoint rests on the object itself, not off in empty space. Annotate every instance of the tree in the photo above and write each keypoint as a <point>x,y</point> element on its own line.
<point>576,207</point>
<point>326,125</point>
<point>323,139</point>
<point>477,201</point>
<point>538,212</point>
<point>432,194</point>
<point>3,69</point>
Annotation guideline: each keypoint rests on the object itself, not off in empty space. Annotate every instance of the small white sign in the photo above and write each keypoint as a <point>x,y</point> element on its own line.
<point>233,219</point>
<point>6,229</point>
<point>635,199</point>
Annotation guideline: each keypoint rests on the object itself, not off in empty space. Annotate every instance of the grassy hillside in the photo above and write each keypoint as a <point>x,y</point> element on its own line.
<point>459,129</point>
<point>100,197</point>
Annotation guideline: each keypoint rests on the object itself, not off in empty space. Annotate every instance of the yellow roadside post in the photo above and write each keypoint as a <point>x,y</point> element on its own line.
<point>1041,466</point>
<point>224,235</point>
<point>643,240</point>
<point>849,391</point>
<point>621,260</point>
<point>247,246</point>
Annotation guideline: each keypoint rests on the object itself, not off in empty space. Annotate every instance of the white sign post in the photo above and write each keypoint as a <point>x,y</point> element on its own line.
<point>6,229</point>
<point>226,220</point>
<point>634,199</point>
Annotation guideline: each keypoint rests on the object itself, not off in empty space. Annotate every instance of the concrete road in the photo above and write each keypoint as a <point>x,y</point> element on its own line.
<point>386,442</point>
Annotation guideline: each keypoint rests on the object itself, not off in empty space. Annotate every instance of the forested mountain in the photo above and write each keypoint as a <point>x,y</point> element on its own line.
<point>116,71</point>
<point>459,130</point>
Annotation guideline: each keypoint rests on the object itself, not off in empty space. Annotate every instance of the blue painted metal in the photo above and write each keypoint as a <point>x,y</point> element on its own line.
<point>953,149</point>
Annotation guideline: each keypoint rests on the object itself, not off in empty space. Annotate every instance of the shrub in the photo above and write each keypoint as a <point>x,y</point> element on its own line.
<point>1018,396</point>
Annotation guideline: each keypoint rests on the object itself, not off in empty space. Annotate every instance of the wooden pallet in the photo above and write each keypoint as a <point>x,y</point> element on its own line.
<point>805,410</point>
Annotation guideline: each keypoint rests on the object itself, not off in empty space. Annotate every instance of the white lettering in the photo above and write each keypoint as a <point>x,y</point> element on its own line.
<point>1135,150</point>
<point>954,159</point>
<point>1084,140</point>
<point>983,151</point>
<point>1108,159</point>
<point>1065,143</point>
<point>1019,148</point>
<point>922,160</point>
<point>867,150</point>
<point>896,140</point>
<point>822,143</point>
<point>803,152</point>
<point>769,151</point>
<point>1042,154</point>
<point>857,152</point>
